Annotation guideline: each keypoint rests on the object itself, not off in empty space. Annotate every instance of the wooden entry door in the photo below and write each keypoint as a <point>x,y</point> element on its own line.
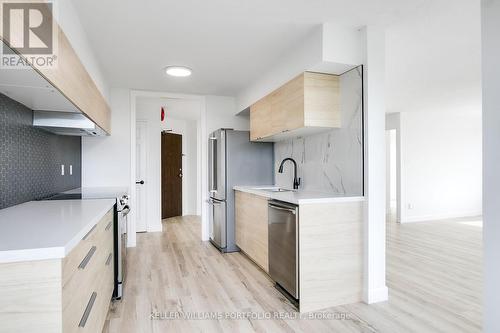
<point>171,175</point>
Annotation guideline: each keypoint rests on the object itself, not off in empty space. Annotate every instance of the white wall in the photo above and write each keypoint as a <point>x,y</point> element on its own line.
<point>190,168</point>
<point>342,45</point>
<point>490,14</point>
<point>441,165</point>
<point>374,284</point>
<point>106,160</point>
<point>69,21</point>
<point>220,114</point>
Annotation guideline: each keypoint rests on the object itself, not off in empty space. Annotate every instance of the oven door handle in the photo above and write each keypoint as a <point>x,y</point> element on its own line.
<point>125,210</point>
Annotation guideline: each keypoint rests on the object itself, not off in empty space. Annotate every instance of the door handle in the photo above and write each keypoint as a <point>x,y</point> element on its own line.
<point>141,182</point>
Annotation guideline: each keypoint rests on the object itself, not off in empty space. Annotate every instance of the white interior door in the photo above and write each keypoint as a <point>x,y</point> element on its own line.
<point>140,170</point>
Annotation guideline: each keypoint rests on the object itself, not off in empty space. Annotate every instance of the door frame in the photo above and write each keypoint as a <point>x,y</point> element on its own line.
<point>202,173</point>
<point>393,122</point>
<point>146,212</point>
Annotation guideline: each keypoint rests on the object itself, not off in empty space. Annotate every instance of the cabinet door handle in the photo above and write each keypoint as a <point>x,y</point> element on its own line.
<point>88,233</point>
<point>108,226</point>
<point>108,261</point>
<point>87,258</point>
<point>88,308</point>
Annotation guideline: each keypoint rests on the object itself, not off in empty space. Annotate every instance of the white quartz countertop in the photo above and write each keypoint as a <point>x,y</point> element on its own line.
<point>39,230</point>
<point>99,192</point>
<point>297,197</point>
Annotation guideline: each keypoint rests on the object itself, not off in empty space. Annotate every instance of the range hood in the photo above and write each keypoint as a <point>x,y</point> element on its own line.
<point>66,123</point>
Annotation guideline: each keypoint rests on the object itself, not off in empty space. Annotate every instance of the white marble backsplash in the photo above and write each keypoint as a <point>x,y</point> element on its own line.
<point>331,161</point>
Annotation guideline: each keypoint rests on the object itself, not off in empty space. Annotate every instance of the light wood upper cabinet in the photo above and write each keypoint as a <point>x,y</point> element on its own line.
<point>308,103</point>
<point>72,79</point>
<point>69,76</point>
<point>260,119</point>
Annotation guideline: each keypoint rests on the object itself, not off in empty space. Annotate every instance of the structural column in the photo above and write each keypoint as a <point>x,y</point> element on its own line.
<point>490,22</point>
<point>374,289</point>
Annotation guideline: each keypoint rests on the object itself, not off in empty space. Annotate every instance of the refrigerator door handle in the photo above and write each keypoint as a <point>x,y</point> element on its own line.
<point>213,154</point>
<point>213,202</point>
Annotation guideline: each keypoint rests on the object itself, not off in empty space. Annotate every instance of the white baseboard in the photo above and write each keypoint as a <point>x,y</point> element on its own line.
<point>155,228</point>
<point>131,242</point>
<point>376,295</point>
<point>426,218</point>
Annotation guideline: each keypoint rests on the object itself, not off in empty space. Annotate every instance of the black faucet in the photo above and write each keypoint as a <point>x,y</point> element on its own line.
<point>296,182</point>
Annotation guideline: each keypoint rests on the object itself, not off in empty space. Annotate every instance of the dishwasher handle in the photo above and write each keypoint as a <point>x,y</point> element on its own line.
<point>291,210</point>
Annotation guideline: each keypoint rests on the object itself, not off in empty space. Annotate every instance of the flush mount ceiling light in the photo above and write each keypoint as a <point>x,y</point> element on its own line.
<point>178,71</point>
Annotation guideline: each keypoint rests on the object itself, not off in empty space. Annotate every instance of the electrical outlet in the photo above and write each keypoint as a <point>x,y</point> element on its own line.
<point>62,169</point>
<point>71,169</point>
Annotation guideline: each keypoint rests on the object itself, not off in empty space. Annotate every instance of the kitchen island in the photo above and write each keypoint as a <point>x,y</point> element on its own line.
<point>329,235</point>
<point>56,265</point>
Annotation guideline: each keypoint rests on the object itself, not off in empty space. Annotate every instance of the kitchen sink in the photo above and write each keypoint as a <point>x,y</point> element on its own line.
<point>278,189</point>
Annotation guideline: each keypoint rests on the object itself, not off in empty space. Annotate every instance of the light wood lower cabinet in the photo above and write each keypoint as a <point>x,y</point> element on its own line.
<point>61,295</point>
<point>85,275</point>
<point>330,254</point>
<point>251,227</point>
<point>330,247</point>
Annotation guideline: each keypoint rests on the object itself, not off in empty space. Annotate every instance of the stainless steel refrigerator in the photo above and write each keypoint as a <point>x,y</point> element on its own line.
<point>233,160</point>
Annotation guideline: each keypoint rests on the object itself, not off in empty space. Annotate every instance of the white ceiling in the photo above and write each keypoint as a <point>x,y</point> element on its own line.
<point>433,59</point>
<point>227,43</point>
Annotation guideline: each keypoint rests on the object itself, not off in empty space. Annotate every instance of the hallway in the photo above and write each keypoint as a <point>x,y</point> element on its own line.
<point>433,271</point>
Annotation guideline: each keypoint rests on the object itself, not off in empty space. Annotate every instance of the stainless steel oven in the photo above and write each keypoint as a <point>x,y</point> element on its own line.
<point>121,212</point>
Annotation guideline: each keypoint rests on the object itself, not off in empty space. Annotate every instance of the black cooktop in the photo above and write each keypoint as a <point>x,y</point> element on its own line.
<point>65,196</point>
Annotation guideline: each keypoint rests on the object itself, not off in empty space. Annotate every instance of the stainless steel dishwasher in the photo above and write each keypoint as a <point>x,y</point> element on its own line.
<point>284,246</point>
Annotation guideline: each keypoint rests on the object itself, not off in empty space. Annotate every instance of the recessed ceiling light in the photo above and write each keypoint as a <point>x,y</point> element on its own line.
<point>179,71</point>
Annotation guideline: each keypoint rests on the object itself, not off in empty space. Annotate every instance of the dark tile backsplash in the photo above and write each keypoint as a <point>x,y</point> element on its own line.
<point>30,158</point>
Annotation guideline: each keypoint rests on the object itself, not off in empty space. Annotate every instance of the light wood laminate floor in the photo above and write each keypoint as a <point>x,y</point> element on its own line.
<point>433,272</point>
